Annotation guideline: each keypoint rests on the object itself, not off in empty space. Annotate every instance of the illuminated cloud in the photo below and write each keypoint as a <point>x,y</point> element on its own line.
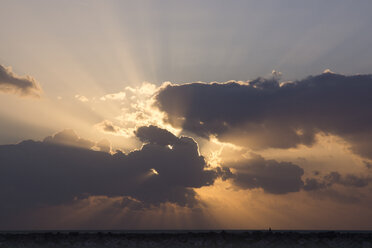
<point>114,96</point>
<point>138,106</point>
<point>104,145</point>
<point>68,137</point>
<point>129,109</point>
<point>264,113</point>
<point>327,71</point>
<point>60,169</point>
<point>82,98</point>
<point>23,86</point>
<point>109,127</point>
<point>276,74</point>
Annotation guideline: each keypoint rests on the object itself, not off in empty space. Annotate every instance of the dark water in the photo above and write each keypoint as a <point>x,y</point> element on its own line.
<point>175,231</point>
<point>186,238</point>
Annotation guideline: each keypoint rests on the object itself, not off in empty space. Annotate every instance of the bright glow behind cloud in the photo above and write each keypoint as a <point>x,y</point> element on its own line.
<point>136,109</point>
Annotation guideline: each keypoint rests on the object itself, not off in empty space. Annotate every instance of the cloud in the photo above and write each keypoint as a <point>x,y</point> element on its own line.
<point>23,86</point>
<point>155,135</point>
<point>367,164</point>
<point>104,145</point>
<point>264,113</point>
<point>349,180</point>
<point>56,171</point>
<point>313,184</point>
<point>82,98</point>
<point>137,109</point>
<point>114,96</point>
<point>63,176</point>
<point>334,177</point>
<point>68,137</point>
<point>109,127</point>
<point>283,177</point>
<point>272,176</point>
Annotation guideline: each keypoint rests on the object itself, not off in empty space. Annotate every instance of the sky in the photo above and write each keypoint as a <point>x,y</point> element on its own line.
<point>185,114</point>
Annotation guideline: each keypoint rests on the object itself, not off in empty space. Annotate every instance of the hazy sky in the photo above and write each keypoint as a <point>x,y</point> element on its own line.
<point>124,90</point>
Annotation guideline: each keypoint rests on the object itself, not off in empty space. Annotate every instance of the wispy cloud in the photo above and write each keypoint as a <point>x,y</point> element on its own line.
<point>114,96</point>
<point>82,98</point>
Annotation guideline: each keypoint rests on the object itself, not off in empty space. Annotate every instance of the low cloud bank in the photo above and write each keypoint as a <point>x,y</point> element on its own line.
<point>64,170</point>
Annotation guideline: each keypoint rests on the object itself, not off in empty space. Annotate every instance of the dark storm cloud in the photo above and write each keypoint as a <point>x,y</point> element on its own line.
<point>11,83</point>
<point>155,135</point>
<point>272,176</point>
<point>348,180</point>
<point>368,164</point>
<point>36,174</point>
<point>284,177</point>
<point>313,184</point>
<point>266,114</point>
